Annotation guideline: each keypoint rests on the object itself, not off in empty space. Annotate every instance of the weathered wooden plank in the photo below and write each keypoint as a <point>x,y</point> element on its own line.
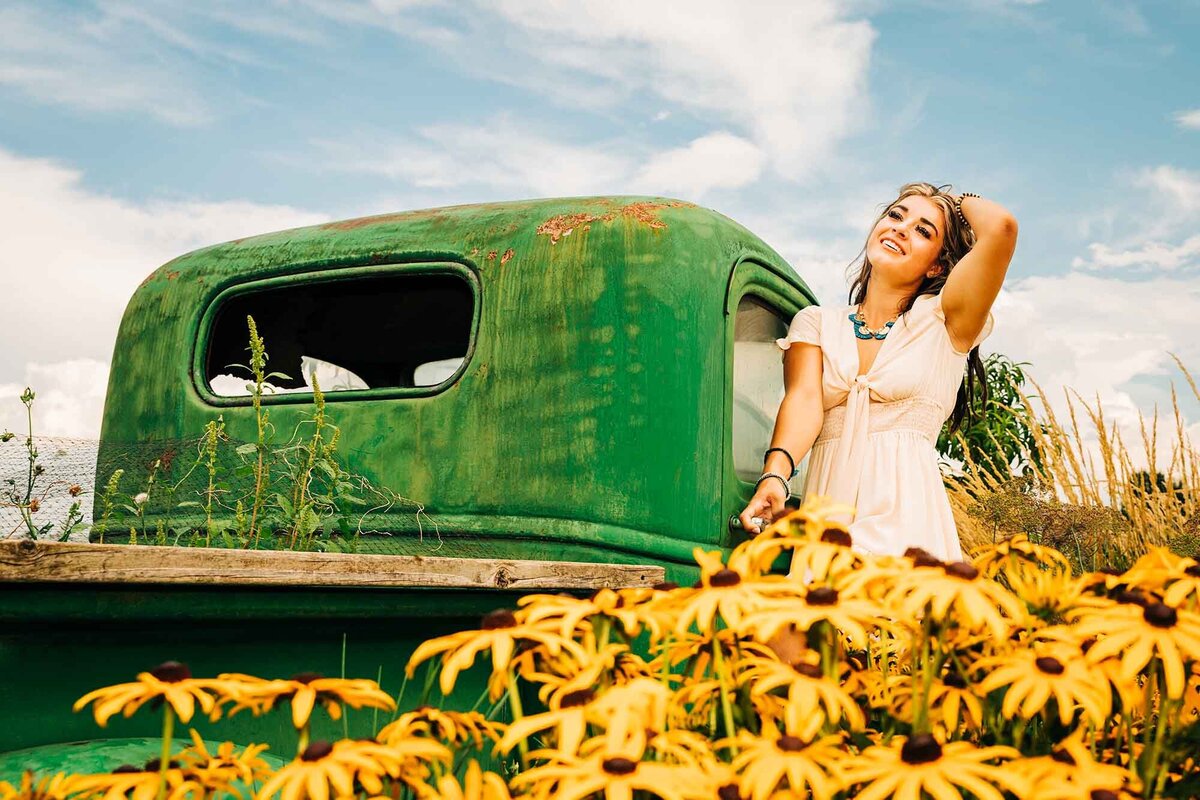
<point>53,562</point>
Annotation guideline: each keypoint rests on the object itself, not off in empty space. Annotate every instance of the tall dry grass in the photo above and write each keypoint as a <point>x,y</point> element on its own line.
<point>1102,514</point>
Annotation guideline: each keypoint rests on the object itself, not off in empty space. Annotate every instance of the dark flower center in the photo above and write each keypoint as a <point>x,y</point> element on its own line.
<point>125,768</point>
<point>316,751</point>
<point>725,577</point>
<point>1104,794</point>
<point>954,680</point>
<point>579,698</point>
<point>665,586</point>
<point>922,557</point>
<point>921,749</point>
<point>1160,615</point>
<point>500,618</point>
<point>822,596</point>
<point>618,766</point>
<point>791,744</point>
<point>838,536</point>
<point>1062,756</point>
<point>1050,665</point>
<point>963,570</point>
<point>1109,571</point>
<point>729,792</point>
<point>1193,571</point>
<point>1087,644</point>
<point>699,584</point>
<point>808,670</point>
<point>1134,597</point>
<point>153,765</point>
<point>171,672</point>
<point>307,677</point>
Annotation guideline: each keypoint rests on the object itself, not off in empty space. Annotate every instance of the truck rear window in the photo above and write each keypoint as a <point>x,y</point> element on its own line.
<point>400,330</point>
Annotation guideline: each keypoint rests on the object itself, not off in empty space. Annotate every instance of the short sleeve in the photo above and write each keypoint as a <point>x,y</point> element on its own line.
<point>983,334</point>
<point>805,327</point>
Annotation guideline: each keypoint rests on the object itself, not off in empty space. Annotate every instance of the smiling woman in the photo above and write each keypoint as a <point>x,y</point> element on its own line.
<point>867,393</point>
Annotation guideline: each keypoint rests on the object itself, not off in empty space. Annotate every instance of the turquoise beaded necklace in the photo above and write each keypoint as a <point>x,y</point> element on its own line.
<point>863,332</point>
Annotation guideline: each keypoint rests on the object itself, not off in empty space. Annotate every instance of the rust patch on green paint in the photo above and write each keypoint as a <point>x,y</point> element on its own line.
<point>644,212</point>
<point>508,254</point>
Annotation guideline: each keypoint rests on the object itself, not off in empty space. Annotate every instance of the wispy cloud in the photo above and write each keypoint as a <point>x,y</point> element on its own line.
<point>1189,119</point>
<point>72,258</point>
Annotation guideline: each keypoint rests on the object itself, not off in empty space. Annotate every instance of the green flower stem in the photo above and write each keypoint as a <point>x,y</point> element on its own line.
<point>514,702</point>
<point>922,677</point>
<point>302,742</point>
<point>726,708</point>
<point>165,756</point>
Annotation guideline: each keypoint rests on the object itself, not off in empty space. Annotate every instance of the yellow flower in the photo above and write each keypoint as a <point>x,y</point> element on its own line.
<point>954,703</point>
<point>956,590</point>
<point>476,785</point>
<point>852,617</point>
<point>1048,594</point>
<point>56,787</point>
<point>1139,633</point>
<point>812,699</point>
<point>568,717</point>
<point>569,611</point>
<point>216,772</point>
<point>611,768</point>
<point>772,765</point>
<point>1036,675</point>
<point>499,632</point>
<point>1018,552</point>
<point>327,770</point>
<point>723,591</point>
<point>170,681</point>
<point>452,727</point>
<point>910,766</point>
<point>1071,773</point>
<point>134,783</point>
<point>305,690</point>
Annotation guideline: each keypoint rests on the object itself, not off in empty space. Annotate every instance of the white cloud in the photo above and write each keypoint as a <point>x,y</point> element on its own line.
<point>69,398</point>
<point>1154,255</point>
<point>93,61</point>
<point>791,74</point>
<point>1189,119</point>
<point>72,258</point>
<point>718,160</point>
<point>505,157</point>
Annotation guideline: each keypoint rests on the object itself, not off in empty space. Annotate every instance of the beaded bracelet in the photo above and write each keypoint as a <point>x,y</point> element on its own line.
<point>787,487</point>
<point>958,207</point>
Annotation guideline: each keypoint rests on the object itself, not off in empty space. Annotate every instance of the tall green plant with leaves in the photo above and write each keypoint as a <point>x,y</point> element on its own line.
<point>1000,433</point>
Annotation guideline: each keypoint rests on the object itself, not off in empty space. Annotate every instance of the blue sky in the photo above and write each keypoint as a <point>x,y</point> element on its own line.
<point>134,131</point>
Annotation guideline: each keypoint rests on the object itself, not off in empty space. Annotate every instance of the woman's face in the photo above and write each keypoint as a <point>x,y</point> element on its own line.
<point>908,240</point>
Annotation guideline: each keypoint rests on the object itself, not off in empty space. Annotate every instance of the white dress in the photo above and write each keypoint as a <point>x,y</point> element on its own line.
<point>877,446</point>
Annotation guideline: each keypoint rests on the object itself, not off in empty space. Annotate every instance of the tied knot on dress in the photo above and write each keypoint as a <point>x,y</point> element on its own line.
<point>862,382</point>
<point>853,443</point>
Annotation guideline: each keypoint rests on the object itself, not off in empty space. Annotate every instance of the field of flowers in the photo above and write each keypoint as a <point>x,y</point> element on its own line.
<point>861,676</point>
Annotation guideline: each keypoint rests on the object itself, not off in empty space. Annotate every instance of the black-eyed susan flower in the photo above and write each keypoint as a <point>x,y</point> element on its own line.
<point>325,770</point>
<point>1070,772</point>
<point>218,771</point>
<point>477,784</point>
<point>307,689</point>
<point>59,786</point>
<point>1138,633</point>
<point>567,718</point>
<point>957,590</point>
<point>128,782</point>
<point>724,591</point>
<point>912,765</point>
<point>851,616</point>
<point>1033,676</point>
<point>455,728</point>
<point>614,771</point>
<point>1018,551</point>
<point>569,611</point>
<point>779,765</point>
<point>499,631</point>
<point>813,700</point>
<point>170,681</point>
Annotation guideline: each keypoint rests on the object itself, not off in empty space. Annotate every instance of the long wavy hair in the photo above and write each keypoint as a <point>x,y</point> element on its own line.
<point>956,243</point>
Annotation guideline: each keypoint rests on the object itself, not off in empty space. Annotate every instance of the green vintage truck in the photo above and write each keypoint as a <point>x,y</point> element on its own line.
<point>572,393</point>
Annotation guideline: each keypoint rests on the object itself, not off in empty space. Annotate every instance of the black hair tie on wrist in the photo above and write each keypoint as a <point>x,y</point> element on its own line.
<point>791,460</point>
